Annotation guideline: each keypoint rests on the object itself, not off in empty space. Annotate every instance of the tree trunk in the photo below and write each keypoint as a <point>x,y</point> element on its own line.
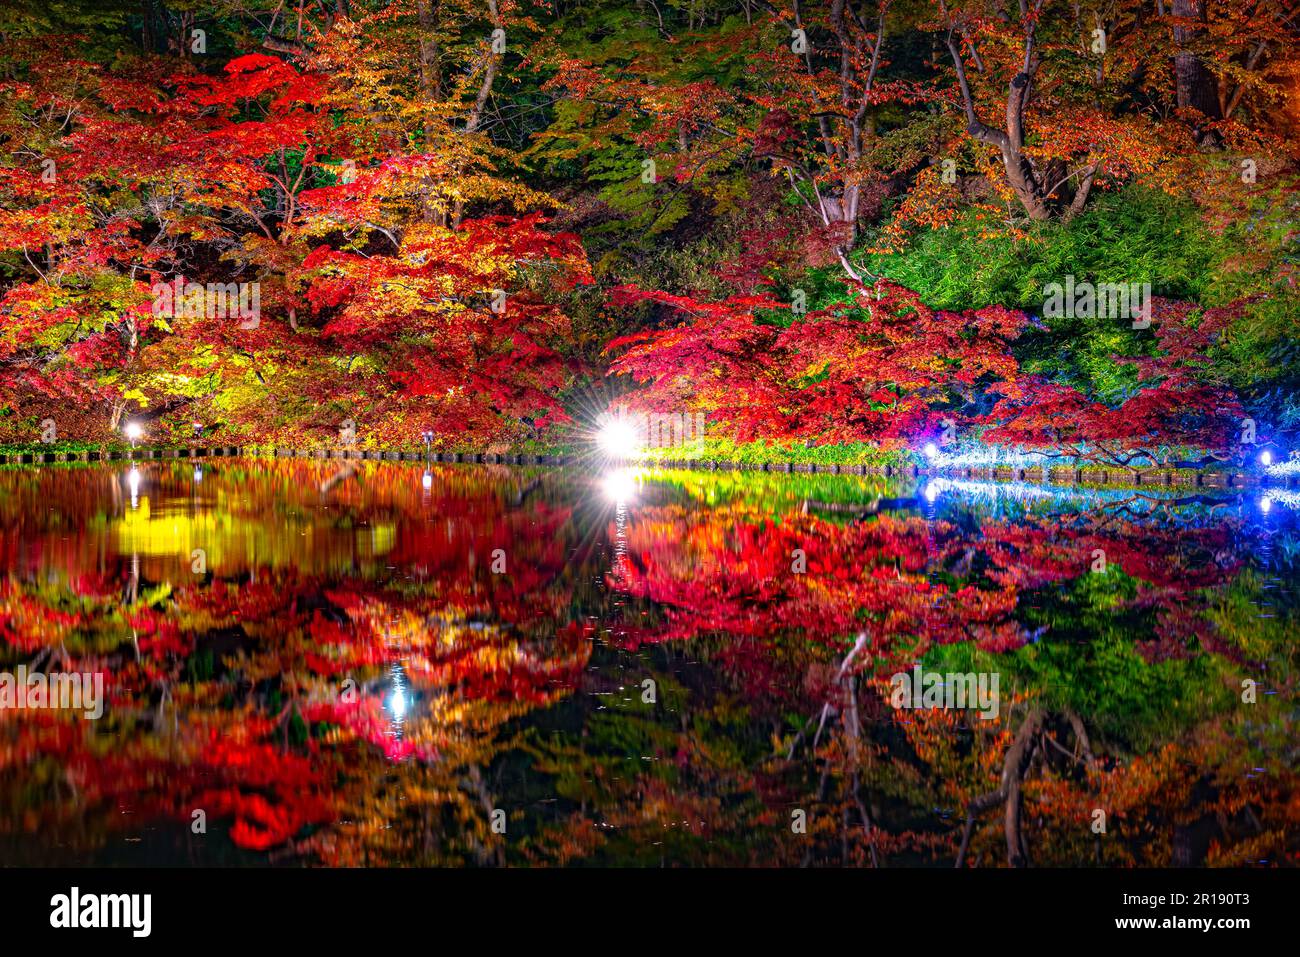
<point>147,37</point>
<point>1195,86</point>
<point>430,63</point>
<point>1025,185</point>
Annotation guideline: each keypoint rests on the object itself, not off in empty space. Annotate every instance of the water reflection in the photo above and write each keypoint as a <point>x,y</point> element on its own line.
<point>620,485</point>
<point>364,665</point>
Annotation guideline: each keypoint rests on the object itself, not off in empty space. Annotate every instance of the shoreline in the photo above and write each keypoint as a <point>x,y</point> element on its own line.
<point>1042,475</point>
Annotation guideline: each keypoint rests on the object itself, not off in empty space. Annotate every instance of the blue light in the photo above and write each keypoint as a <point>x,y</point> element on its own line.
<point>398,704</point>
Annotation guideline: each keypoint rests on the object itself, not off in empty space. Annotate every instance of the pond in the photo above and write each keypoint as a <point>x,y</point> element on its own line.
<point>328,663</point>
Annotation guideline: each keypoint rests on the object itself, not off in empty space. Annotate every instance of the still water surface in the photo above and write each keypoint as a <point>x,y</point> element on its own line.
<point>377,664</point>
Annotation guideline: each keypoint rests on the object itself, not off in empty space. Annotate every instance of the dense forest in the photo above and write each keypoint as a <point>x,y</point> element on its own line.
<point>1043,226</point>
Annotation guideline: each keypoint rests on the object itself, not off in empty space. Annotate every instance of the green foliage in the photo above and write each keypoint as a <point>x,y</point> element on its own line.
<point>1087,662</point>
<point>794,453</point>
<point>35,18</point>
<point>1134,235</point>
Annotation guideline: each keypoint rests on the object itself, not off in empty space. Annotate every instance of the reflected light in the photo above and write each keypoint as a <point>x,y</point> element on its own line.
<point>427,480</point>
<point>931,492</point>
<point>133,483</point>
<point>620,485</point>
<point>1265,504</point>
<point>198,473</point>
<point>397,704</point>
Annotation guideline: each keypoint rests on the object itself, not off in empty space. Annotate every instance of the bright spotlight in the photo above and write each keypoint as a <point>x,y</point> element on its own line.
<point>1266,458</point>
<point>133,431</point>
<point>930,450</point>
<point>619,437</point>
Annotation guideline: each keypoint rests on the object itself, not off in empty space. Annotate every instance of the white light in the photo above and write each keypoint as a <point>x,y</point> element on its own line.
<point>398,704</point>
<point>133,483</point>
<point>931,492</point>
<point>133,431</point>
<point>198,473</point>
<point>991,491</point>
<point>619,437</point>
<point>978,456</point>
<point>1265,504</point>
<point>1266,458</point>
<point>427,480</point>
<point>619,485</point>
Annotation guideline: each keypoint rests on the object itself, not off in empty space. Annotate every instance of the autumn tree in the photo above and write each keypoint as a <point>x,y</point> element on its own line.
<point>1177,408</point>
<point>878,366</point>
